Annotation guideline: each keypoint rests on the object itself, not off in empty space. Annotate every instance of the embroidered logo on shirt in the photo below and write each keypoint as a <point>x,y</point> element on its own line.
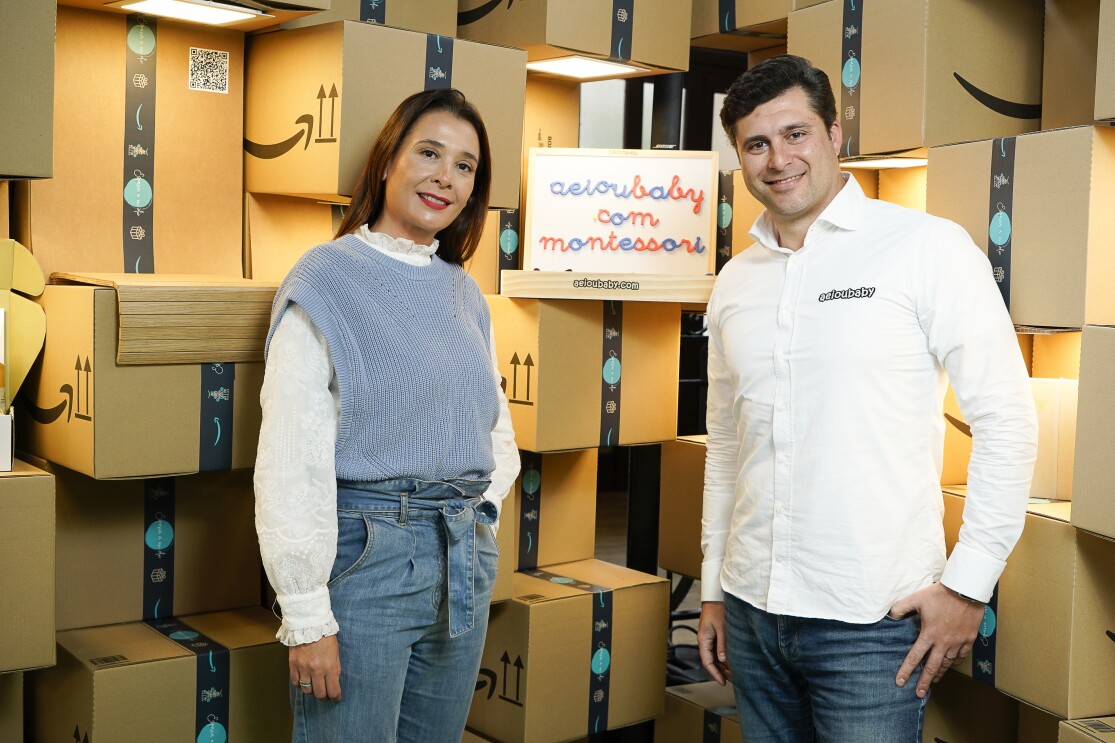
<point>864,292</point>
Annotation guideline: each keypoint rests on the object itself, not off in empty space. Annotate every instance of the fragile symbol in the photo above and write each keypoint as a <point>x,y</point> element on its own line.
<point>137,233</point>
<point>139,80</point>
<point>158,575</point>
<point>622,15</point>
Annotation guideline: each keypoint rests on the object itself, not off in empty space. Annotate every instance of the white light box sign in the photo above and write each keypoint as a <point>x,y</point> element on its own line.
<point>621,211</point>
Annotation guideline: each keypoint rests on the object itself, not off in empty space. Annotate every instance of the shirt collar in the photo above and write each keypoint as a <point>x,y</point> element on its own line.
<point>845,212</point>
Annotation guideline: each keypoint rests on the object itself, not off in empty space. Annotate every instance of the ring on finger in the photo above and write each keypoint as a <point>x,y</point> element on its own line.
<point>950,658</point>
<point>306,684</point>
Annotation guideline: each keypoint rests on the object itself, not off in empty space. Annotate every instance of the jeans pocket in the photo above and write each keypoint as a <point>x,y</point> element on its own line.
<point>354,542</point>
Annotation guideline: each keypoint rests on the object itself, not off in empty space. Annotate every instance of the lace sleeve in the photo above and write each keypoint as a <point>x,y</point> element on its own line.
<point>295,478</point>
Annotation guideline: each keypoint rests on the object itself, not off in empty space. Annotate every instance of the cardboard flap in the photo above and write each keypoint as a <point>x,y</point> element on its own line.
<point>19,271</point>
<point>185,318</point>
<point>27,333</point>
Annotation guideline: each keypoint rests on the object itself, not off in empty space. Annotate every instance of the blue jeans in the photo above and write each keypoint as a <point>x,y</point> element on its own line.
<point>410,589</point>
<point>804,680</point>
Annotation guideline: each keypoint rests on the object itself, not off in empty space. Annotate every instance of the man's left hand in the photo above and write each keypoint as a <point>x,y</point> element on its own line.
<point>949,624</point>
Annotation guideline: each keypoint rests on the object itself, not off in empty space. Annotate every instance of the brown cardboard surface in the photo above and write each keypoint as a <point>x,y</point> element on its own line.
<point>1054,611</point>
<point>538,642</point>
<point>1094,508</point>
<point>552,114</point>
<point>1087,731</point>
<point>27,89</point>
<point>961,710</point>
<point>1105,63</point>
<point>504,586</point>
<point>437,17</point>
<point>910,52</point>
<point>1036,726</point>
<point>759,25</point>
<point>5,211</point>
<point>563,504</point>
<point>688,709</point>
<point>280,230</point>
<point>681,490</point>
<point>1069,62</point>
<point>559,408</point>
<point>561,28</point>
<point>76,218</point>
<point>283,104</point>
<point>27,580</point>
<point>101,551</point>
<point>120,421</point>
<point>1059,268</point>
<point>11,707</point>
<point>128,682</point>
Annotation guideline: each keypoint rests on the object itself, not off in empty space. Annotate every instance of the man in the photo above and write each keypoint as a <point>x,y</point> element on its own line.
<point>826,597</point>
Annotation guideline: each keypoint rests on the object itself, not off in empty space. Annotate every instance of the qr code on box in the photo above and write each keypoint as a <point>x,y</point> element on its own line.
<point>208,70</point>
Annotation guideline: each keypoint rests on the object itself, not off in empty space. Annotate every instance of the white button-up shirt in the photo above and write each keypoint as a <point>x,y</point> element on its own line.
<point>825,430</point>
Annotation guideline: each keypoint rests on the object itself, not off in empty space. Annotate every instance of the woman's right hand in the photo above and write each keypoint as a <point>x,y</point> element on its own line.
<point>320,664</point>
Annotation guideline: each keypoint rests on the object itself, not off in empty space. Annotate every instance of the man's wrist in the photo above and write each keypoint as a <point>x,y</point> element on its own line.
<point>960,595</point>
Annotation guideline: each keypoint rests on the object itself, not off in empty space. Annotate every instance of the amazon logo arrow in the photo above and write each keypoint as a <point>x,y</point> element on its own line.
<point>272,151</point>
<point>1000,105</point>
<point>466,17</point>
<point>1111,635</point>
<point>46,416</point>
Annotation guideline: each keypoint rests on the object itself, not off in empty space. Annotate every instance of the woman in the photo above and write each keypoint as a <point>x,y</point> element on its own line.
<point>386,445</point>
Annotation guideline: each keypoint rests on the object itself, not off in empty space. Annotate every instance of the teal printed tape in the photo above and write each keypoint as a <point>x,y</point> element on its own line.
<point>610,373</point>
<point>724,219</point>
<point>218,382</point>
<point>211,682</point>
<point>373,11</point>
<point>139,145</point>
<point>623,16</point>
<point>1001,212</point>
<point>439,62</point>
<point>158,548</point>
<point>530,510</point>
<point>508,242</point>
<point>851,71</point>
<point>727,16</point>
<point>983,649</point>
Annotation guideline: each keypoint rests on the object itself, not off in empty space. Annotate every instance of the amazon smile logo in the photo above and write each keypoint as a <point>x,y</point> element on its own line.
<point>465,17</point>
<point>278,149</point>
<point>1000,106</point>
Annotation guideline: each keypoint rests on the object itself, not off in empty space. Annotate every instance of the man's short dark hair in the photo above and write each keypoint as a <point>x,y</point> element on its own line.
<point>767,80</point>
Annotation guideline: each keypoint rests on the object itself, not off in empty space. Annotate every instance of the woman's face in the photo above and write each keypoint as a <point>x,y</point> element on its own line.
<point>430,179</point>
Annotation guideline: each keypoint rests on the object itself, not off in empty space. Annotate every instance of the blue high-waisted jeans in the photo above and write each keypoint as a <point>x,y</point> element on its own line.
<point>410,590</point>
<point>821,681</point>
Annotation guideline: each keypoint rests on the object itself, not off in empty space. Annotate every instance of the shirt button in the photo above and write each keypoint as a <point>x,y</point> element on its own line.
<point>782,459</point>
<point>781,405</point>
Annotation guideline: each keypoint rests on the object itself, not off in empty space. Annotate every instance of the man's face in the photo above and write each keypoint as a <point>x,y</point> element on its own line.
<point>789,159</point>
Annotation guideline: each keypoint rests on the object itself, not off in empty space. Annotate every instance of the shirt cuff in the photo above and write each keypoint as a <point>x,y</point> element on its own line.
<point>307,617</point>
<point>972,573</point>
<point>711,588</point>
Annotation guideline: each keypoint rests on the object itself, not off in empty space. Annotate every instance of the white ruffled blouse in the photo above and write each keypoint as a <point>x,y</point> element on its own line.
<point>295,479</point>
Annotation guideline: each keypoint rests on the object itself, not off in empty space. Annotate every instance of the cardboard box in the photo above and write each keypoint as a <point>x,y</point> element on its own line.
<point>498,249</point>
<point>912,55</point>
<point>504,587</point>
<point>650,34</point>
<point>1046,641</point>
<point>555,497</point>
<point>109,421</point>
<point>27,580</point>
<point>1087,731</point>
<point>681,496</point>
<point>548,656</point>
<point>1068,91</point>
<point>1105,63</point>
<point>131,550</point>
<point>27,90</point>
<point>1036,726</point>
<point>699,713</point>
<point>316,102</point>
<point>179,175</point>
<point>1057,269</point>
<point>471,737</point>
<point>744,26</point>
<point>131,682</point>
<point>436,17</point>
<point>555,354</point>
<point>11,707</point>
<point>961,710</point>
<point>1094,507</point>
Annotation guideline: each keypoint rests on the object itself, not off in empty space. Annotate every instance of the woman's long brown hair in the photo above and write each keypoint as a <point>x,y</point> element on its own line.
<point>458,241</point>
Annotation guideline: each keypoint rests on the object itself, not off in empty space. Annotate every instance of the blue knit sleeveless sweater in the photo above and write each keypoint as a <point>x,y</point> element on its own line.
<point>411,349</point>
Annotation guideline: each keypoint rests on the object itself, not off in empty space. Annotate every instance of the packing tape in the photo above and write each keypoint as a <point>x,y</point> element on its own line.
<point>439,62</point>
<point>724,219</point>
<point>728,16</point>
<point>373,11</point>
<point>623,16</point>
<point>1001,212</point>
<point>158,547</point>
<point>218,382</point>
<point>851,71</point>
<point>211,682</point>
<point>600,665</point>
<point>610,374</point>
<point>983,649</point>
<point>713,721</point>
<point>508,242</point>
<point>530,509</point>
<point>139,145</point>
